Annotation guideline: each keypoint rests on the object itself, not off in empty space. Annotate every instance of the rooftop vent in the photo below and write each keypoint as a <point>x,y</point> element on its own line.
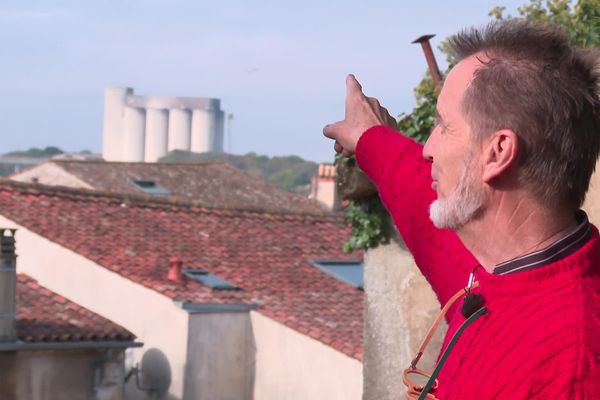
<point>350,272</point>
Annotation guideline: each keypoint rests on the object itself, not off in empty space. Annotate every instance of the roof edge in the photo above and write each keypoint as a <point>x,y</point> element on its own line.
<point>215,308</point>
<point>169,163</point>
<point>73,345</point>
<point>149,201</point>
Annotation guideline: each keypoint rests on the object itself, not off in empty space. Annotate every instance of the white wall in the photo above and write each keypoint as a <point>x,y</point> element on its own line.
<point>293,366</point>
<point>152,317</point>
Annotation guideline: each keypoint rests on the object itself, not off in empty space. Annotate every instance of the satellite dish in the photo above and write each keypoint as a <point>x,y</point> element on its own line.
<point>153,374</point>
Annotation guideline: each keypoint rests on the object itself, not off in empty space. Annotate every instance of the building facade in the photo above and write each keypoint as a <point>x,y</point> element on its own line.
<point>243,314</point>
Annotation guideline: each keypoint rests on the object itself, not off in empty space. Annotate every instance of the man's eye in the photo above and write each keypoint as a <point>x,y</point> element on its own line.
<point>440,124</point>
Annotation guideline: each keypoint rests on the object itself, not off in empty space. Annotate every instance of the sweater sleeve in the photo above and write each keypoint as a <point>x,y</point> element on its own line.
<point>403,177</point>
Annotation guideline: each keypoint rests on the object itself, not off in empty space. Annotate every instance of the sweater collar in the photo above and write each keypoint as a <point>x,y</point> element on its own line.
<point>577,264</point>
<point>561,248</point>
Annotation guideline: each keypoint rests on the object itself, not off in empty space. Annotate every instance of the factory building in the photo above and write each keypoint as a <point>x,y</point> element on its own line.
<point>145,128</point>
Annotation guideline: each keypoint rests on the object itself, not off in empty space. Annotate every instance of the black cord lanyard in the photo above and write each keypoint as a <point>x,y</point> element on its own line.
<point>444,357</point>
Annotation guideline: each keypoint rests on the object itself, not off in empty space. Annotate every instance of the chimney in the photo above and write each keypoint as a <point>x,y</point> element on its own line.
<point>324,189</point>
<point>175,270</point>
<point>8,285</point>
<point>430,58</point>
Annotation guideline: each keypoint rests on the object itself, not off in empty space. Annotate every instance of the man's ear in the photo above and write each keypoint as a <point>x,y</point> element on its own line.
<point>500,152</point>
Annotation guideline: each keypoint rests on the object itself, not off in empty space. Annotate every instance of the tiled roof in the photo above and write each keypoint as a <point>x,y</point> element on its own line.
<point>44,316</point>
<point>265,254</point>
<point>210,184</point>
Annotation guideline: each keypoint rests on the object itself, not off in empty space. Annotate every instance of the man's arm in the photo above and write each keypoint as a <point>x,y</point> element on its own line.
<point>402,175</point>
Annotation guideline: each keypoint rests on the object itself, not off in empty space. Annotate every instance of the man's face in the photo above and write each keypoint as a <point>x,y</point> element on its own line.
<point>455,156</point>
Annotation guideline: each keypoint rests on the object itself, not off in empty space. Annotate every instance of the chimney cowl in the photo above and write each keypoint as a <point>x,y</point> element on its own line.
<point>7,242</point>
<point>8,285</point>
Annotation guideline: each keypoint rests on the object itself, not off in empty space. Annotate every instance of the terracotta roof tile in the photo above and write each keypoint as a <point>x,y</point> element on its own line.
<point>44,316</point>
<point>266,255</point>
<point>211,184</point>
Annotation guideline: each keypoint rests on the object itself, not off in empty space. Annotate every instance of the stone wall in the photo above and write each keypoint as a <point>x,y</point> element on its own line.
<point>399,309</point>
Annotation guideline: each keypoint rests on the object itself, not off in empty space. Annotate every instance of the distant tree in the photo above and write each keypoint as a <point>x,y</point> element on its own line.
<point>36,152</point>
<point>580,21</point>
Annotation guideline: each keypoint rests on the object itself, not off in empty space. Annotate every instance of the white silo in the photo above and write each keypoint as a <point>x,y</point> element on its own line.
<point>112,130</point>
<point>204,124</point>
<point>133,134</point>
<point>180,129</point>
<point>157,121</point>
<point>144,128</point>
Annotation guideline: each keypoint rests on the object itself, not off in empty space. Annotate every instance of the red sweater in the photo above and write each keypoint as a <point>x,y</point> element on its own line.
<point>541,336</point>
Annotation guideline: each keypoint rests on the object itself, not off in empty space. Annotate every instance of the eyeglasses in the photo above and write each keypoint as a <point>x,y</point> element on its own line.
<point>413,376</point>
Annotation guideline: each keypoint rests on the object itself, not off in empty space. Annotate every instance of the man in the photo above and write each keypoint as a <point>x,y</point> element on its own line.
<point>505,169</point>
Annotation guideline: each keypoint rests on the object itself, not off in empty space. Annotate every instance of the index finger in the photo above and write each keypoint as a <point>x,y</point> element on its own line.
<point>352,85</point>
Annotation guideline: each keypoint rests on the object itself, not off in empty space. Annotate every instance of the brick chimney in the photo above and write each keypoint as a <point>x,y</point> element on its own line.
<point>8,285</point>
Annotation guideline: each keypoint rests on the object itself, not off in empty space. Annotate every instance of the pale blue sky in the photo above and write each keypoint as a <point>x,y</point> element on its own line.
<point>278,66</point>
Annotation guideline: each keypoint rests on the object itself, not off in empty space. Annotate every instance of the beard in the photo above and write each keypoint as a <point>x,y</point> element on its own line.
<point>462,205</point>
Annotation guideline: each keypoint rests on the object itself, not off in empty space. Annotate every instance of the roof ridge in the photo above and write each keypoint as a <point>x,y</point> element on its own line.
<point>179,163</point>
<point>141,200</point>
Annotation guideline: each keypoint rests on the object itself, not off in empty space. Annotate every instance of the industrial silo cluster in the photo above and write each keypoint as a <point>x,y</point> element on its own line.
<point>145,128</point>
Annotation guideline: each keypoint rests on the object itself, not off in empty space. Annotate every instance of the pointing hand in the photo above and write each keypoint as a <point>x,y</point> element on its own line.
<point>361,114</point>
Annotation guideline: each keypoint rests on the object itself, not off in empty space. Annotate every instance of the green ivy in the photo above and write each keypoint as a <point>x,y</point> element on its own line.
<point>369,227</point>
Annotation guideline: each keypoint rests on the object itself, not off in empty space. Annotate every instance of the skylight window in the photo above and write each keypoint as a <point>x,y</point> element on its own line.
<point>149,186</point>
<point>350,272</point>
<point>208,279</point>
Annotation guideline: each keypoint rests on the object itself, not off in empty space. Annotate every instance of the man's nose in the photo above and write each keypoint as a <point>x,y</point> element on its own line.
<point>430,144</point>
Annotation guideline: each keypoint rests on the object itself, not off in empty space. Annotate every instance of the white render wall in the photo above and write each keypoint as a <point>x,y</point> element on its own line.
<point>293,366</point>
<point>144,128</point>
<point>152,317</point>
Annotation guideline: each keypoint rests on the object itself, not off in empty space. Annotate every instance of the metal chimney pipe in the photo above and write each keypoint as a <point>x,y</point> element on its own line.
<point>430,57</point>
<point>8,285</point>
